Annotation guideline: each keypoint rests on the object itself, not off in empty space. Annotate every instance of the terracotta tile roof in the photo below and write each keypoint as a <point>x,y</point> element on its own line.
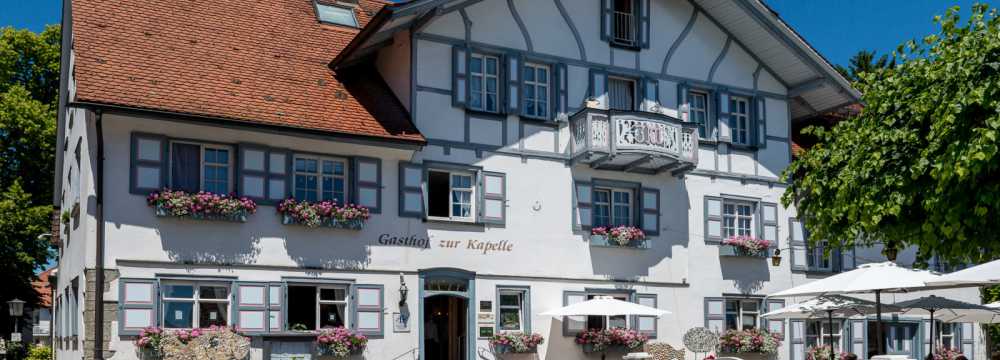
<point>262,62</point>
<point>42,287</point>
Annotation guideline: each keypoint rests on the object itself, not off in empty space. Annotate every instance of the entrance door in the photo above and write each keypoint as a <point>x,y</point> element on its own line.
<point>900,338</point>
<point>445,328</point>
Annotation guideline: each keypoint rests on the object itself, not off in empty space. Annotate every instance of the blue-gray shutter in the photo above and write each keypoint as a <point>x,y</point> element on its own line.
<point>760,110</point>
<point>713,219</point>
<point>460,76</point>
<point>797,245</point>
<point>847,259</point>
<point>599,87</point>
<point>926,330</point>
<point>769,223</point>
<point>411,193</point>
<point>775,326</point>
<point>646,324</point>
<point>644,33</point>
<point>275,306</point>
<point>724,121</point>
<point>560,99</point>
<point>797,339</point>
<point>492,198</point>
<point>366,186</point>
<point>858,331</point>
<point>607,19</point>
<point>967,338</point>
<point>683,106</point>
<point>152,163</point>
<point>650,206</point>
<point>252,171</point>
<point>584,214</point>
<point>250,302</point>
<point>514,70</point>
<point>369,301</point>
<point>138,301</point>
<point>573,324</point>
<point>715,314</point>
<point>650,93</point>
<point>279,174</point>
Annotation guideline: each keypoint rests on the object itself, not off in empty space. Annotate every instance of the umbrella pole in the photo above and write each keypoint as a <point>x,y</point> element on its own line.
<point>829,315</point>
<point>933,337</point>
<point>878,320</point>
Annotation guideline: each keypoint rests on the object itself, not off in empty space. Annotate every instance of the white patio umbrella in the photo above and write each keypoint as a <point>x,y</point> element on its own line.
<point>945,308</point>
<point>977,317</point>
<point>874,278</point>
<point>984,274</point>
<point>605,306</point>
<point>826,305</point>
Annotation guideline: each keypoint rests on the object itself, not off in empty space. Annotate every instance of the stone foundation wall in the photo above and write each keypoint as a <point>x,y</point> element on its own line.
<point>110,309</point>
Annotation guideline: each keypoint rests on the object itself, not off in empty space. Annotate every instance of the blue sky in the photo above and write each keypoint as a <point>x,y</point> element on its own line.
<point>837,28</point>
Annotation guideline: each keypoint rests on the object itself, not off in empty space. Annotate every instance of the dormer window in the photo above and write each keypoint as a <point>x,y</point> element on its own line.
<point>337,14</point>
<point>624,23</point>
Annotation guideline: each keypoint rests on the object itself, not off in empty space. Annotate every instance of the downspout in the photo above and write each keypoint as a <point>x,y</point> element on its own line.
<point>99,276</point>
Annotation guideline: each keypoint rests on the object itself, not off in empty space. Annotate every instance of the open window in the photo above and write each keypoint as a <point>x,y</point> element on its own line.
<point>621,93</point>
<point>451,195</point>
<point>608,322</point>
<point>511,308</point>
<point>198,167</point>
<point>314,307</point>
<point>333,13</point>
<point>742,314</point>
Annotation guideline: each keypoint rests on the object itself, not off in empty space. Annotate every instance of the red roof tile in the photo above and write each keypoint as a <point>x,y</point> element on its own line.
<point>262,62</point>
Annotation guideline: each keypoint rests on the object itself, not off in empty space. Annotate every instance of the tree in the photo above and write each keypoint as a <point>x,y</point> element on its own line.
<point>32,61</point>
<point>920,165</point>
<point>864,62</point>
<point>21,251</point>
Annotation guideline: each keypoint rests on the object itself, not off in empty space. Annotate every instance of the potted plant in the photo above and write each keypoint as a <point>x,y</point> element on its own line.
<point>323,213</point>
<point>211,343</point>
<point>946,353</point>
<point>148,342</point>
<point>201,206</point>
<point>624,236</point>
<point>743,245</point>
<point>339,343</point>
<point>516,342</point>
<point>749,344</point>
<point>602,340</point>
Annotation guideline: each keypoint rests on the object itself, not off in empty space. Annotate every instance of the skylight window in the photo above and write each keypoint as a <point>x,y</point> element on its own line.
<point>334,14</point>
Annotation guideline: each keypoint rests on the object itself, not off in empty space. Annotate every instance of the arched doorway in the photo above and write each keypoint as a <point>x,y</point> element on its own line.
<point>447,314</point>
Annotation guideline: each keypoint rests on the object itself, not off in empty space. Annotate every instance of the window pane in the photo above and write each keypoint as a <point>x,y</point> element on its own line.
<point>185,167</point>
<point>749,322</point>
<point>332,315</point>
<point>491,66</point>
<point>148,149</point>
<point>212,314</point>
<point>177,314</point>
<point>336,14</point>
<point>617,322</point>
<point>543,75</point>
<point>213,292</point>
<point>476,65</point>
<point>510,319</point>
<point>529,73</point>
<point>178,291</point>
<point>333,294</point>
<point>510,299</point>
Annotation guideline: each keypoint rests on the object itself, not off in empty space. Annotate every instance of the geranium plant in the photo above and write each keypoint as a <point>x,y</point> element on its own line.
<point>516,342</point>
<point>149,340</point>
<point>946,353</point>
<point>323,213</point>
<point>340,342</point>
<point>749,341</point>
<point>747,245</point>
<point>600,340</point>
<point>201,205</point>
<point>621,235</point>
<point>211,343</point>
<point>820,352</point>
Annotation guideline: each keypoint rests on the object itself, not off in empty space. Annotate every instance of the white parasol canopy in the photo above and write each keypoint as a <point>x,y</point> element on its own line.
<point>605,306</point>
<point>977,317</point>
<point>984,274</point>
<point>867,278</point>
<point>826,306</point>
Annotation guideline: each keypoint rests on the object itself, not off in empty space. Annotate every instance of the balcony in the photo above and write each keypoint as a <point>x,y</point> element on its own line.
<point>631,141</point>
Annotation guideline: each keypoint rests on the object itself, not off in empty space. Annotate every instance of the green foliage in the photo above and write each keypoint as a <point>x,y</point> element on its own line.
<point>920,165</point>
<point>27,142</point>
<point>991,294</point>
<point>32,61</point>
<point>21,252</point>
<point>864,62</point>
<point>39,353</point>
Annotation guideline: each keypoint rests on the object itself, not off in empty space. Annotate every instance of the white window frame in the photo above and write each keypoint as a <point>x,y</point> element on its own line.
<point>741,125</point>
<point>346,302</point>
<point>611,204</point>
<point>822,337</point>
<point>815,260</point>
<point>320,175</point>
<point>607,319</point>
<point>196,300</point>
<point>519,307</point>
<point>201,163</point>
<point>735,228</point>
<point>471,190</point>
<point>693,110</point>
<point>740,312</point>
<point>483,77</point>
<point>943,336</point>
<point>318,4</point>
<point>635,91</point>
<point>539,88</point>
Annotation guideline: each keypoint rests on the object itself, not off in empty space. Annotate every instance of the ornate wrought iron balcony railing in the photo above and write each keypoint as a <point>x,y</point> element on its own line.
<point>633,141</point>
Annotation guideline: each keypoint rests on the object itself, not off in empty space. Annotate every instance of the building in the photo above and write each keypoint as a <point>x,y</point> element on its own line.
<point>488,138</point>
<point>41,317</point>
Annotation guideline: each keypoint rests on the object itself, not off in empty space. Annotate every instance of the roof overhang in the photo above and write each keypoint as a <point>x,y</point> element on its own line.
<point>814,85</point>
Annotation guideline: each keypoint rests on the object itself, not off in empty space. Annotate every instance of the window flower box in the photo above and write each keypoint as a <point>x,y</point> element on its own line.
<point>610,340</point>
<point>516,343</point>
<point>339,343</point>
<point>323,214</point>
<point>619,236</point>
<point>745,246</point>
<point>201,206</point>
<point>753,341</point>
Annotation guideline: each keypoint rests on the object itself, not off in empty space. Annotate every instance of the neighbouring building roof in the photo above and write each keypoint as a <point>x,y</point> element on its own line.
<point>802,142</point>
<point>44,290</point>
<point>260,62</point>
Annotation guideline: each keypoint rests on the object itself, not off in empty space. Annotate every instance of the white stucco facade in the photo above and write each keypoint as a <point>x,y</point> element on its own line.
<point>540,246</point>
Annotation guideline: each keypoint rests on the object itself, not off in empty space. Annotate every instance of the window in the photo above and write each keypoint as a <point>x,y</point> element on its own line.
<point>450,195</point>
<point>511,308</point>
<point>536,90</point>
<point>739,109</point>
<point>320,179</point>
<point>200,167</point>
<point>737,218</point>
<point>484,72</point>
<point>818,333</point>
<point>334,14</point>
<point>317,307</point>
<point>698,111</point>
<point>945,334</point>
<point>608,322</point>
<point>624,23</point>
<point>622,93</point>
<point>816,260</point>
<point>612,207</point>
<point>742,314</point>
<point>189,305</point>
